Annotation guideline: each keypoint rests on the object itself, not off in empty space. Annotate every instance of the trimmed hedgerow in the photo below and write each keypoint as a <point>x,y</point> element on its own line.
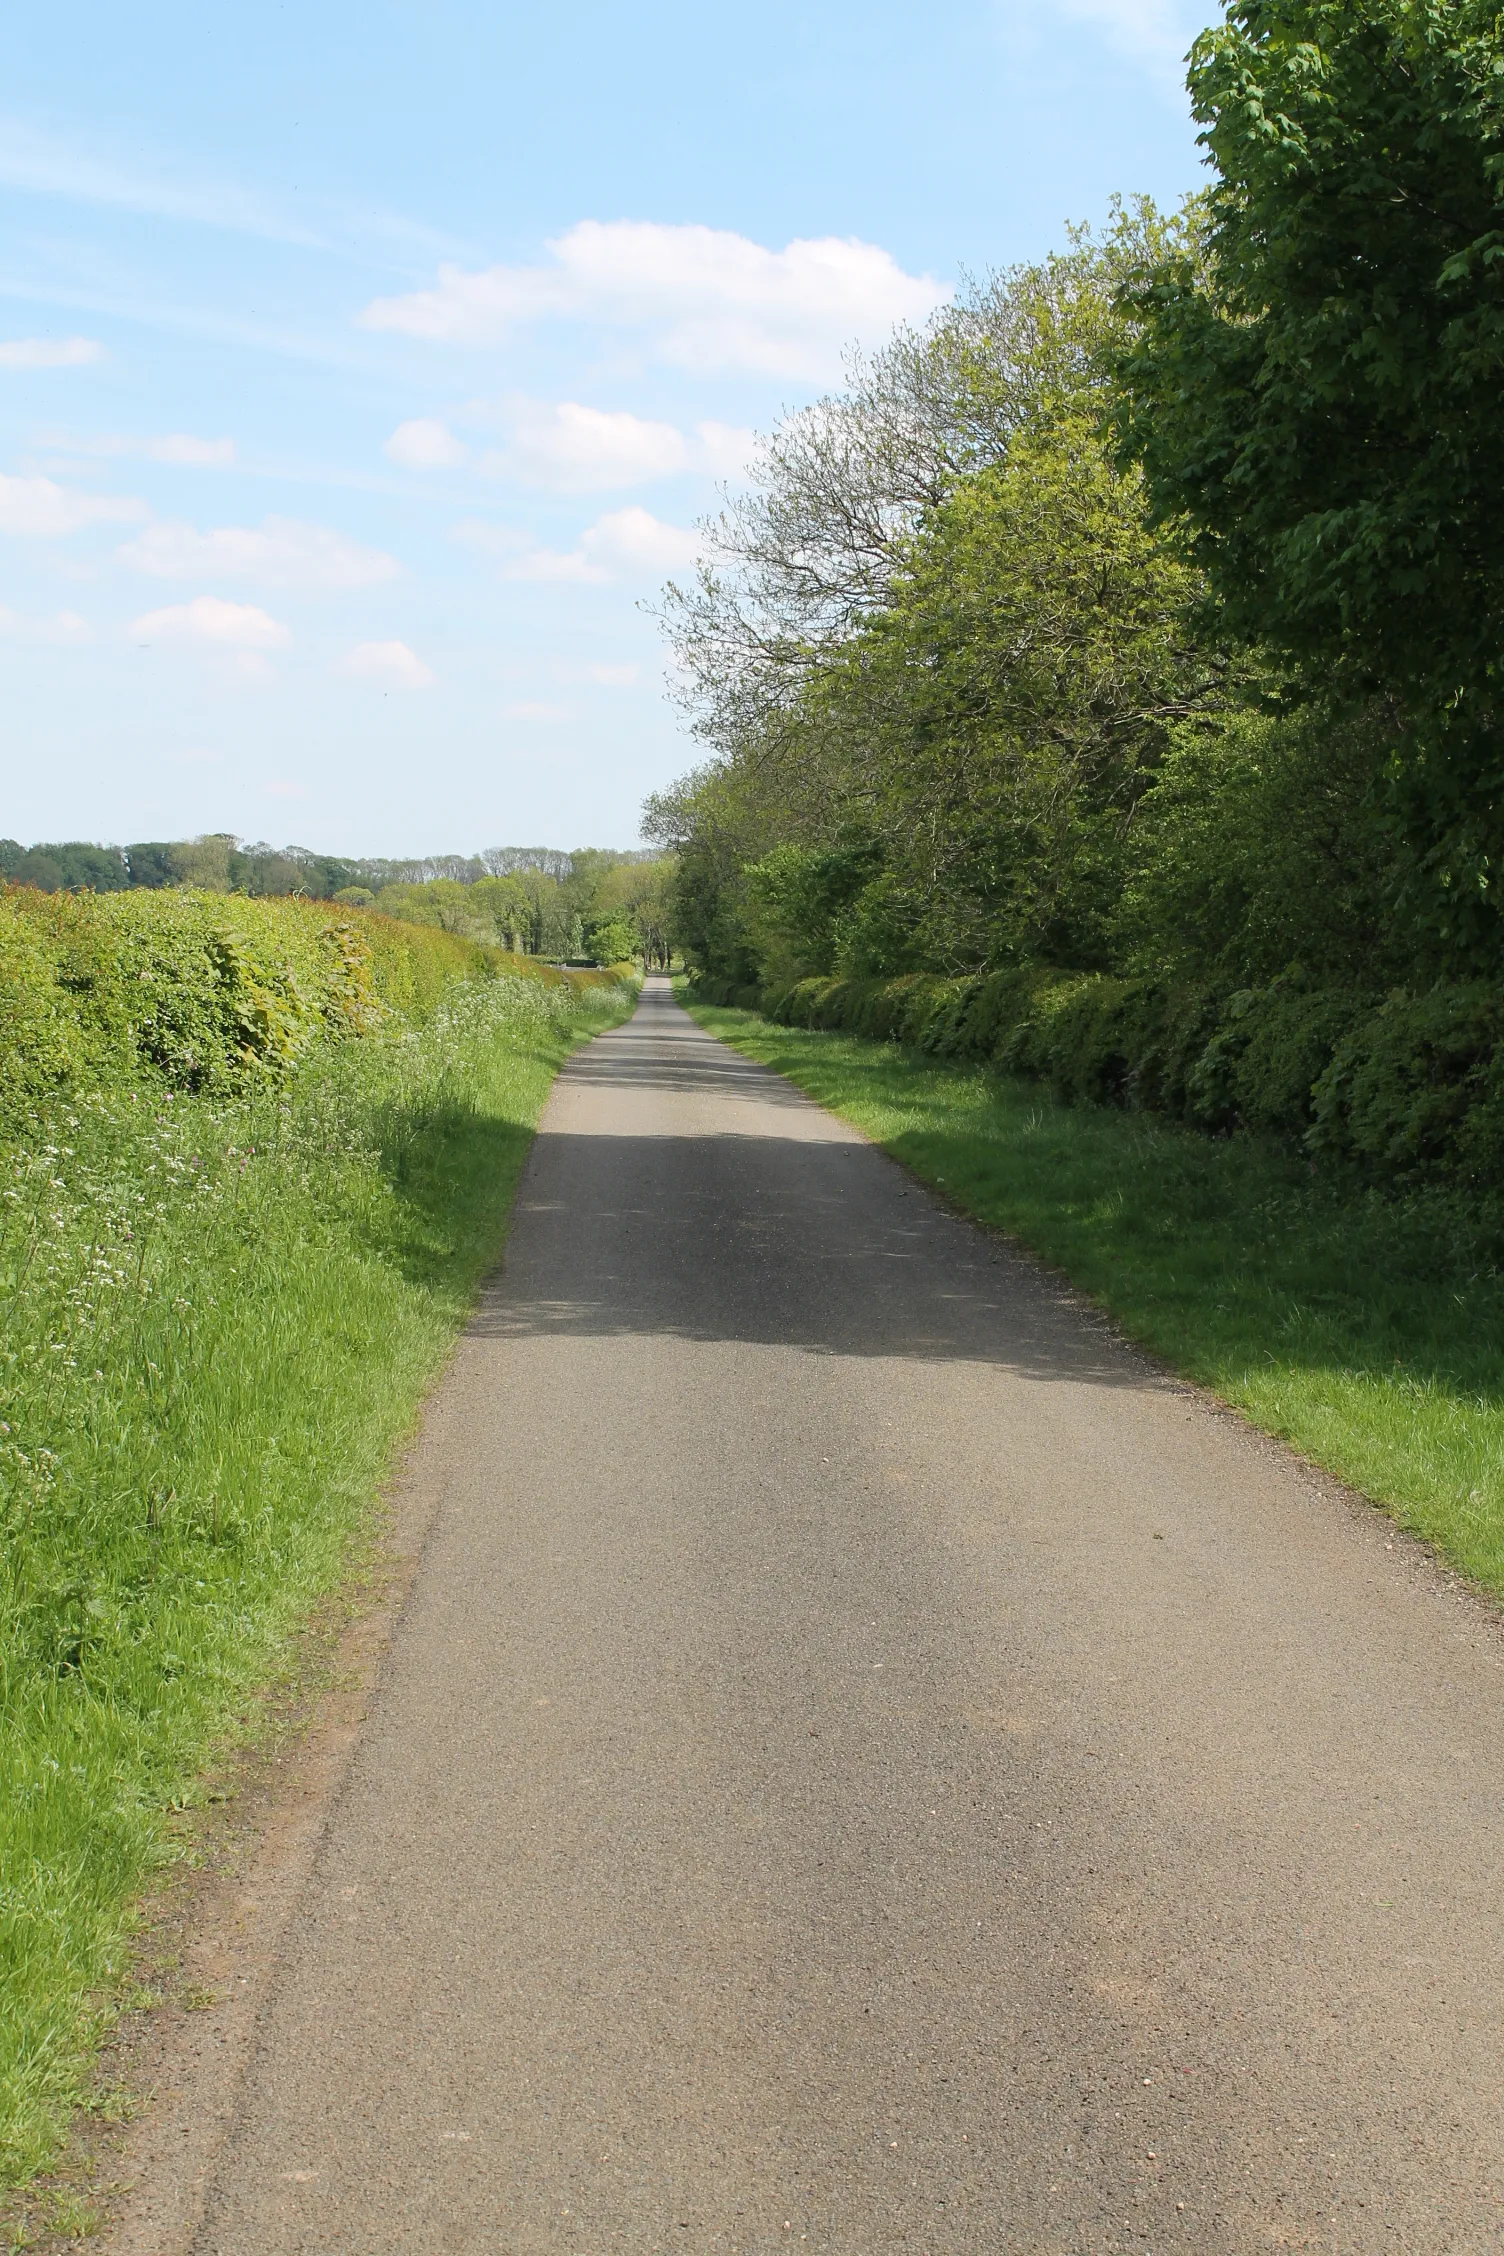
<point>199,988</point>
<point>1401,1086</point>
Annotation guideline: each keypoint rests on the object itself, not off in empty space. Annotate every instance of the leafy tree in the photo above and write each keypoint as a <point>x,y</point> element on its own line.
<point>73,866</point>
<point>1012,704</point>
<point>936,714</point>
<point>1313,385</point>
<point>612,940</point>
<point>1260,847</point>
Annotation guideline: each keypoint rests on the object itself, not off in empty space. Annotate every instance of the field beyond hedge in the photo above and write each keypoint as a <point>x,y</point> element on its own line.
<point>255,1158</point>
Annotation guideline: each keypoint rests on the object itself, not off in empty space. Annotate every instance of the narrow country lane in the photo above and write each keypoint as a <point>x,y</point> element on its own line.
<point>868,1766</point>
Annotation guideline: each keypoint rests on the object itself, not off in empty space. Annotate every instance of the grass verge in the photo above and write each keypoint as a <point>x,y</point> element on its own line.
<point>220,1316</point>
<point>1366,1331</point>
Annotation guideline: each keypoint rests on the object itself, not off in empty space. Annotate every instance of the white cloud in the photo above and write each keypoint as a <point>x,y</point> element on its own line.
<point>189,453</point>
<point>49,352</point>
<point>626,544</point>
<point>575,449</point>
<point>531,710</point>
<point>62,626</point>
<point>389,665</point>
<point>46,511</point>
<point>424,444</point>
<point>279,553</point>
<point>279,788</point>
<point>578,449</point>
<point>212,624</point>
<point>712,299</point>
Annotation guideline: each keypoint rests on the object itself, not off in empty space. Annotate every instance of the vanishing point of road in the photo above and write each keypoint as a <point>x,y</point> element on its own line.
<point>868,1765</point>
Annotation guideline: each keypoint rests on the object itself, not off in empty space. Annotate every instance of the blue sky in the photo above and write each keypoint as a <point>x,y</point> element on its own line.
<point>363,370</point>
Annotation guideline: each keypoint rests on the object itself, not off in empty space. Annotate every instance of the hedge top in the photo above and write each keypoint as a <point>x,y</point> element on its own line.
<point>199,990</point>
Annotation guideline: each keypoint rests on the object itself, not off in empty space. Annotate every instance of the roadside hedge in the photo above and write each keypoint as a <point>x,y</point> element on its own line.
<point>202,989</point>
<point>1403,1085</point>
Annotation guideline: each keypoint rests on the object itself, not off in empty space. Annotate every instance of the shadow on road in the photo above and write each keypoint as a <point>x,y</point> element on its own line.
<point>783,1242</point>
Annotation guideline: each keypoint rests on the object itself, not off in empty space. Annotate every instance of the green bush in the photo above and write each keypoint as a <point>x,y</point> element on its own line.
<point>1412,1084</point>
<point>1271,1046</point>
<point>1415,1084</point>
<point>198,988</point>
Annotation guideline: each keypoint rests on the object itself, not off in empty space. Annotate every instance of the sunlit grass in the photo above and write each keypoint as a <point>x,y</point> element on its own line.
<point>1367,1331</point>
<point>217,1321</point>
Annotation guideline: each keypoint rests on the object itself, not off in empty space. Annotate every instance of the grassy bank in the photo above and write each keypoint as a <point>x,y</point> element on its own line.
<point>1368,1332</point>
<point>220,1310</point>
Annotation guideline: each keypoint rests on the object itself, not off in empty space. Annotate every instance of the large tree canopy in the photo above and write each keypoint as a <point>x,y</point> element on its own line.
<point>1315,386</point>
<point>938,651</point>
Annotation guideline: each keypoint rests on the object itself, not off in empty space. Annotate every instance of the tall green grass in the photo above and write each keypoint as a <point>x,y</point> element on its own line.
<point>219,1314</point>
<point>1366,1329</point>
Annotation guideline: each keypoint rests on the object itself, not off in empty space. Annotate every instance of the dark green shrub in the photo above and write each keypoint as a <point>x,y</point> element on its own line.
<point>1413,1084</point>
<point>1402,1084</point>
<point>1291,1040</point>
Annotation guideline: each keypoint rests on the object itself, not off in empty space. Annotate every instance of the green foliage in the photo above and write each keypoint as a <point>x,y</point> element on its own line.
<point>1419,1084</point>
<point>806,911</point>
<point>540,912</point>
<point>1165,768</point>
<point>1313,387</point>
<point>1264,842</point>
<point>75,866</point>
<point>1315,384</point>
<point>198,988</point>
<point>239,1224</point>
<point>1013,700</point>
<point>611,940</point>
<point>1396,1088</point>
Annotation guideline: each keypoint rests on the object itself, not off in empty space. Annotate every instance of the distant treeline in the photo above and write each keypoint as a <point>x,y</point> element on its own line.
<point>223,863</point>
<point>594,904</point>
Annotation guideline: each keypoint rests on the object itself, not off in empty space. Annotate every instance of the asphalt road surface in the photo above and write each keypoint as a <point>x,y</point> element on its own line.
<point>869,1766</point>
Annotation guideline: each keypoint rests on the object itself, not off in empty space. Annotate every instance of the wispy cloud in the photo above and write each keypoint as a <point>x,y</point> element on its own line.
<point>425,444</point>
<point>386,665</point>
<point>49,352</point>
<point>531,709</point>
<point>1155,34</point>
<point>494,540</point>
<point>601,675</point>
<point>188,453</point>
<point>83,171</point>
<point>43,164</point>
<point>181,449</point>
<point>43,510</point>
<point>278,553</point>
<point>708,299</point>
<point>59,626</point>
<point>574,449</point>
